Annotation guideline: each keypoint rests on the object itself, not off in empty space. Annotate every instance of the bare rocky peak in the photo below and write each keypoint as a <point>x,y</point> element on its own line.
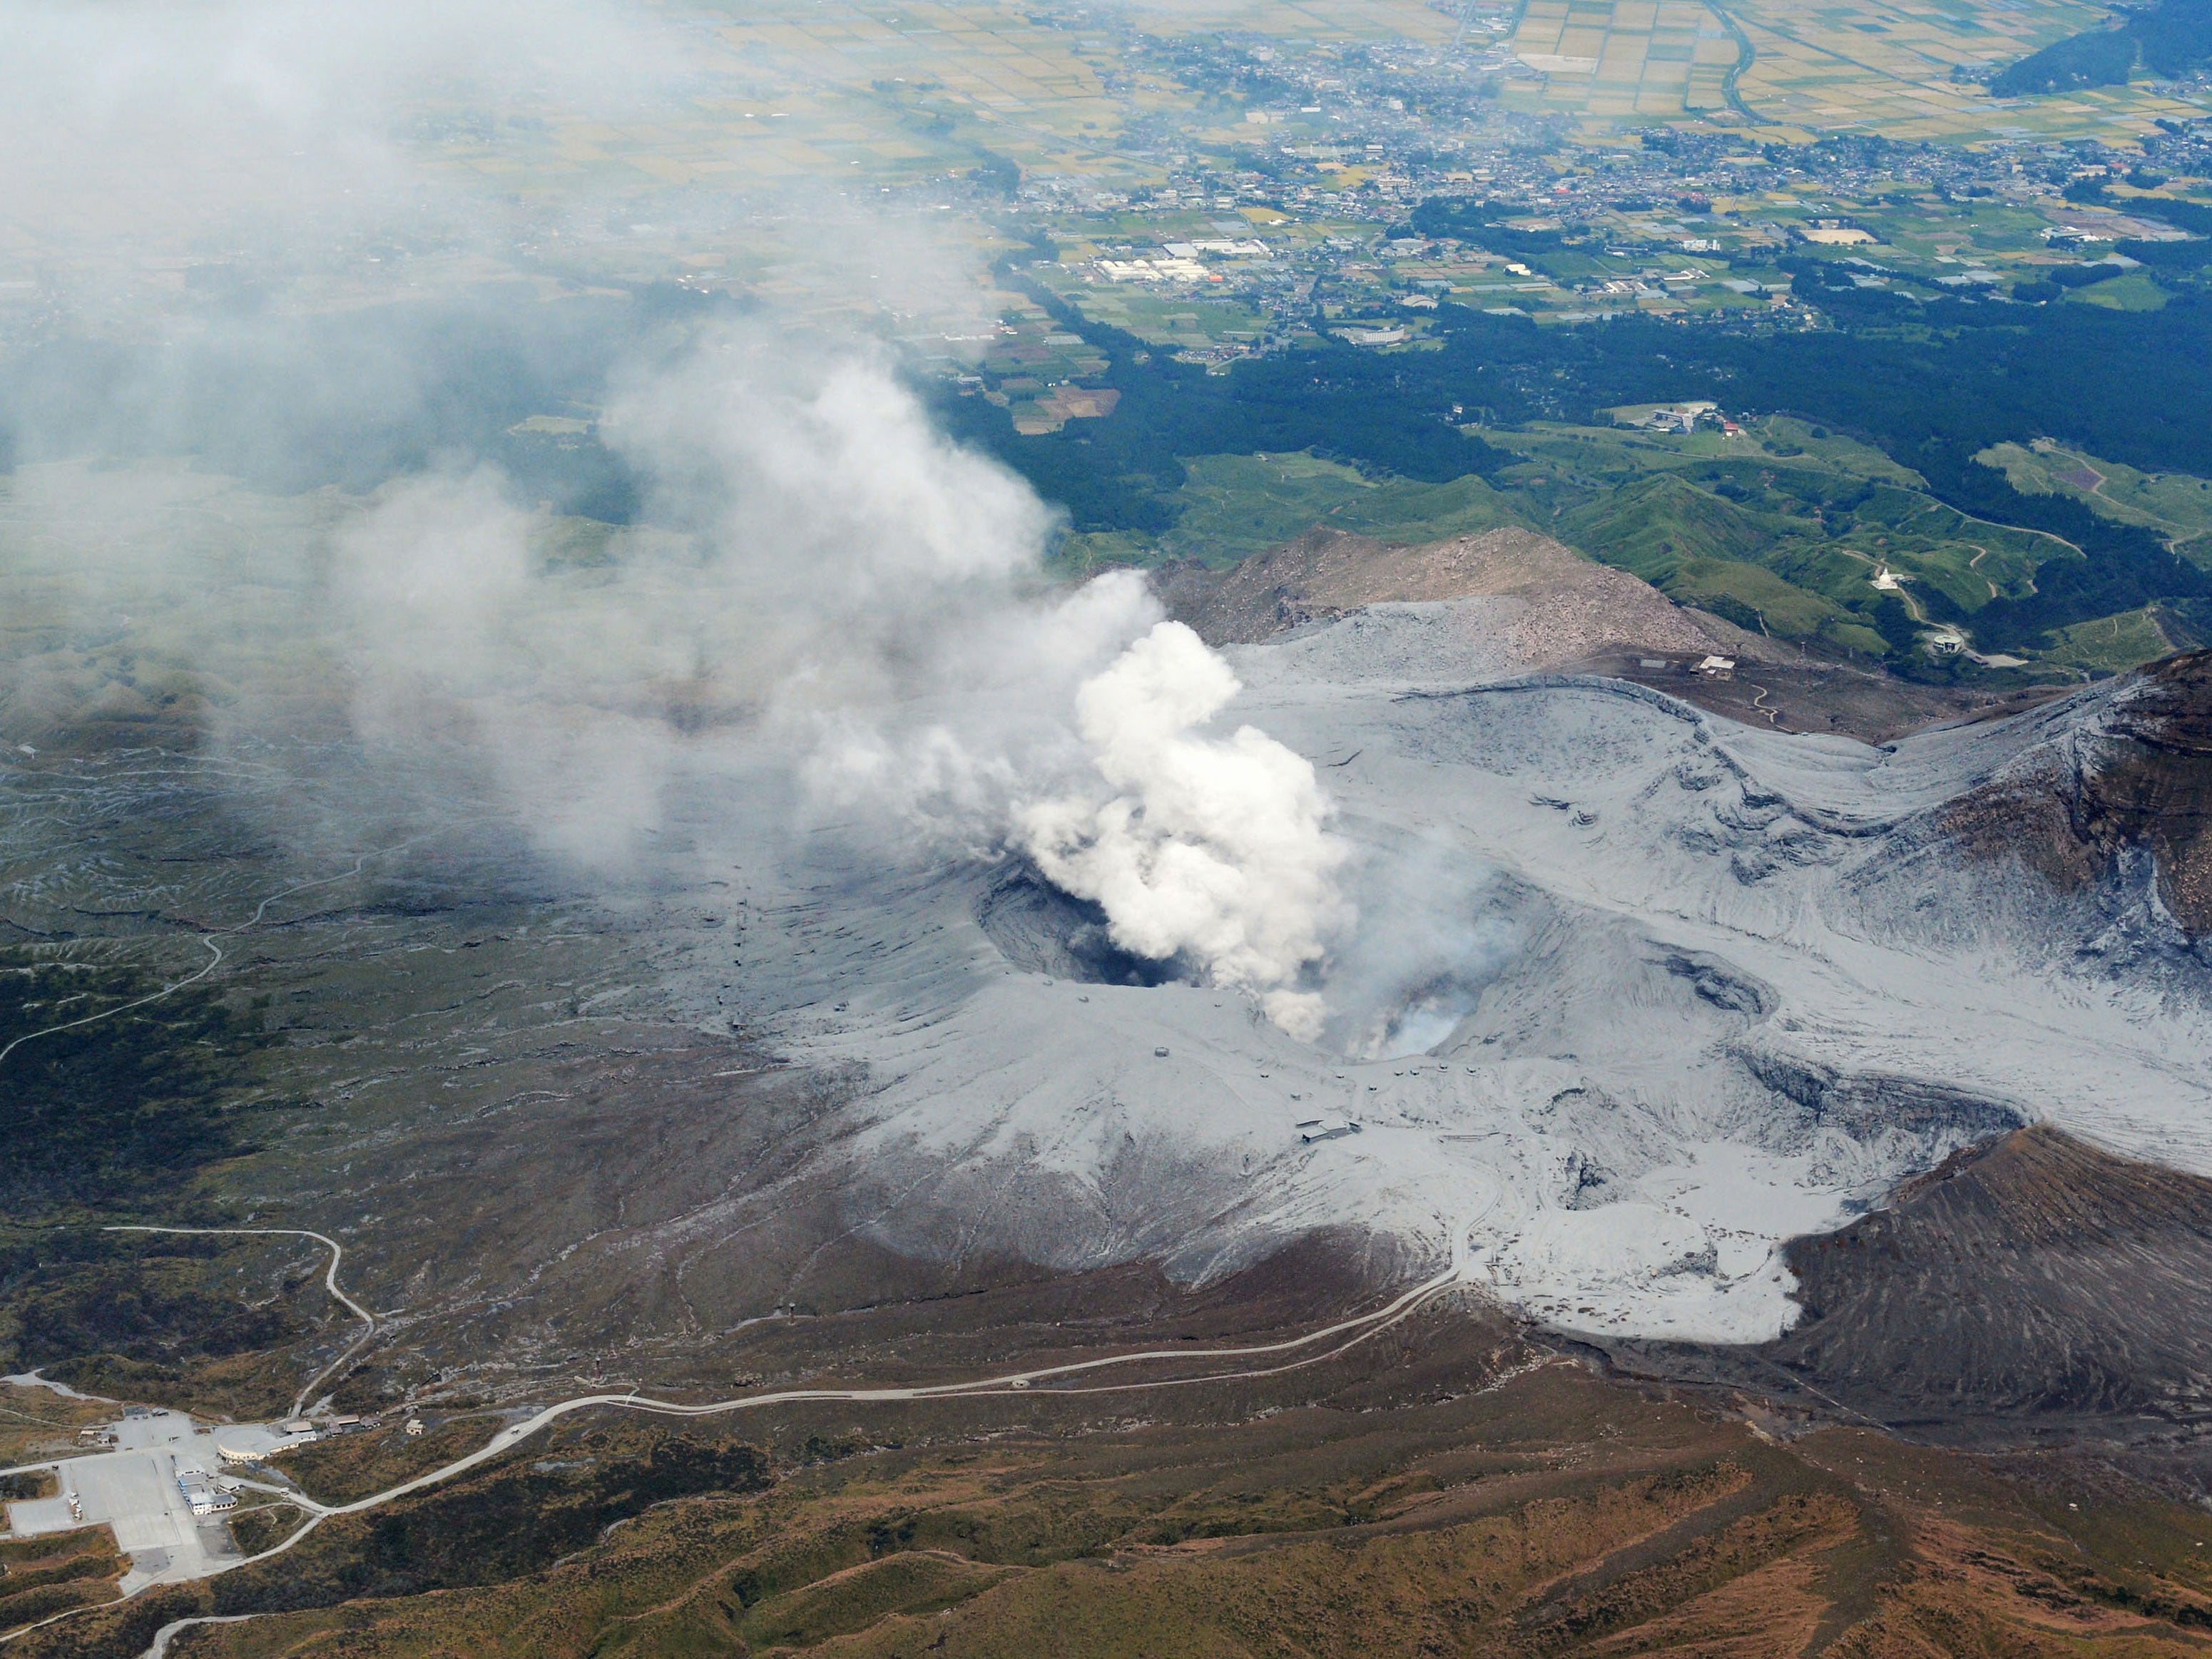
<point>1566,607</point>
<point>2132,771</point>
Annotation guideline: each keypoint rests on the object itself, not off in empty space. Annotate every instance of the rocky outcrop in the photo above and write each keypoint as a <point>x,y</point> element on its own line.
<point>2140,777</point>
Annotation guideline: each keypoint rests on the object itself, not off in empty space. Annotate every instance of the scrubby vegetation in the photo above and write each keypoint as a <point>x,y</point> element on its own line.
<point>1551,1513</point>
<point>265,1527</point>
<point>120,1112</point>
<point>516,1518</point>
<point>352,1466</point>
<point>41,1576</point>
<point>113,1120</point>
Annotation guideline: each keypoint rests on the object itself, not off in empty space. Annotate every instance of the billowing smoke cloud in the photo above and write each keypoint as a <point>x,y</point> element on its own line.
<point>824,586</point>
<point>1209,848</point>
<point>818,590</point>
<point>830,590</point>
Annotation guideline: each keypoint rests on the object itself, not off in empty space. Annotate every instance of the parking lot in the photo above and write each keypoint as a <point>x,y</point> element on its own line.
<point>132,1487</point>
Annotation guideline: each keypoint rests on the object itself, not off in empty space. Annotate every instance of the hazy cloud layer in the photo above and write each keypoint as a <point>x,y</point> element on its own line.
<point>230,118</point>
<point>815,580</point>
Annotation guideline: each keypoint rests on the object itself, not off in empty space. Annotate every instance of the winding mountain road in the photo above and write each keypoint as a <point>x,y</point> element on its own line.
<point>329,1284</point>
<point>1354,1331</point>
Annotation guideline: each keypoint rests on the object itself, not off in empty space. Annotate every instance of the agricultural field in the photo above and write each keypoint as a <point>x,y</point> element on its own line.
<point>1643,60</point>
<point>1319,21</point>
<point>1877,66</point>
<point>1928,235</point>
<point>2134,292</point>
<point>1033,369</point>
<point>1175,320</point>
<point>883,84</point>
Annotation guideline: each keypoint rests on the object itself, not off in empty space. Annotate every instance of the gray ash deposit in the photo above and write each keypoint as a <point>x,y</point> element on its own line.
<point>1100,946</point>
<point>1704,989</point>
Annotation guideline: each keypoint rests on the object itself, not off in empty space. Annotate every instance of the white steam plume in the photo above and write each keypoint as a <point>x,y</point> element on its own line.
<point>1435,927</point>
<point>830,593</point>
<point>1213,848</point>
<point>871,600</point>
<point>822,586</point>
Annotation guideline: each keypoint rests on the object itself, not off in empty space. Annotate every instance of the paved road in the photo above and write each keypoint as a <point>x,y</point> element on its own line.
<point>329,1284</point>
<point>133,1489</point>
<point>171,1435</point>
<point>1361,1327</point>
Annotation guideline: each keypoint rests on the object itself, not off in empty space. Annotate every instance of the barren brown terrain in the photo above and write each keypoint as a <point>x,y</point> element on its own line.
<point>1551,609</point>
<point>1458,1489</point>
<point>1570,605</point>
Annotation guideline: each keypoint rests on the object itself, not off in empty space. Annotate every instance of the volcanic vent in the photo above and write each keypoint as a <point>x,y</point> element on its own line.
<point>1043,930</point>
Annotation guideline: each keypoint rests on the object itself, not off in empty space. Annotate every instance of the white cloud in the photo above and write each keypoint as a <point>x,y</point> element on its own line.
<point>1211,848</point>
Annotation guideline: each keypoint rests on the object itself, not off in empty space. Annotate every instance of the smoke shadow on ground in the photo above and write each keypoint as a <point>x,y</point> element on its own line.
<point>1042,930</point>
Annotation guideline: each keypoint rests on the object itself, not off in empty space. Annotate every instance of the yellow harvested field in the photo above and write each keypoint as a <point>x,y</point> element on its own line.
<point>1626,59</point>
<point>1879,66</point>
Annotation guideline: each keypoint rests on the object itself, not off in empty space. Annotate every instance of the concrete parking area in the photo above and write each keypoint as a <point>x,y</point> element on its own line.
<point>37,1516</point>
<point>134,1489</point>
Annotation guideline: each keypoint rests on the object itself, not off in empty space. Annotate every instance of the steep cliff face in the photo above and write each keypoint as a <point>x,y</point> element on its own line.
<point>2035,1274</point>
<point>2137,777</point>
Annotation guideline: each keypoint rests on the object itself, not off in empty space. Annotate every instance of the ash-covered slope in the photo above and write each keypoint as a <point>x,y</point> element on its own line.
<point>2036,1274</point>
<point>2133,778</point>
<point>1636,995</point>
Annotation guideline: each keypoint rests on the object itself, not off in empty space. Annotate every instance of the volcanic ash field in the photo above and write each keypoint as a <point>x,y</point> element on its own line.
<point>1635,995</point>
